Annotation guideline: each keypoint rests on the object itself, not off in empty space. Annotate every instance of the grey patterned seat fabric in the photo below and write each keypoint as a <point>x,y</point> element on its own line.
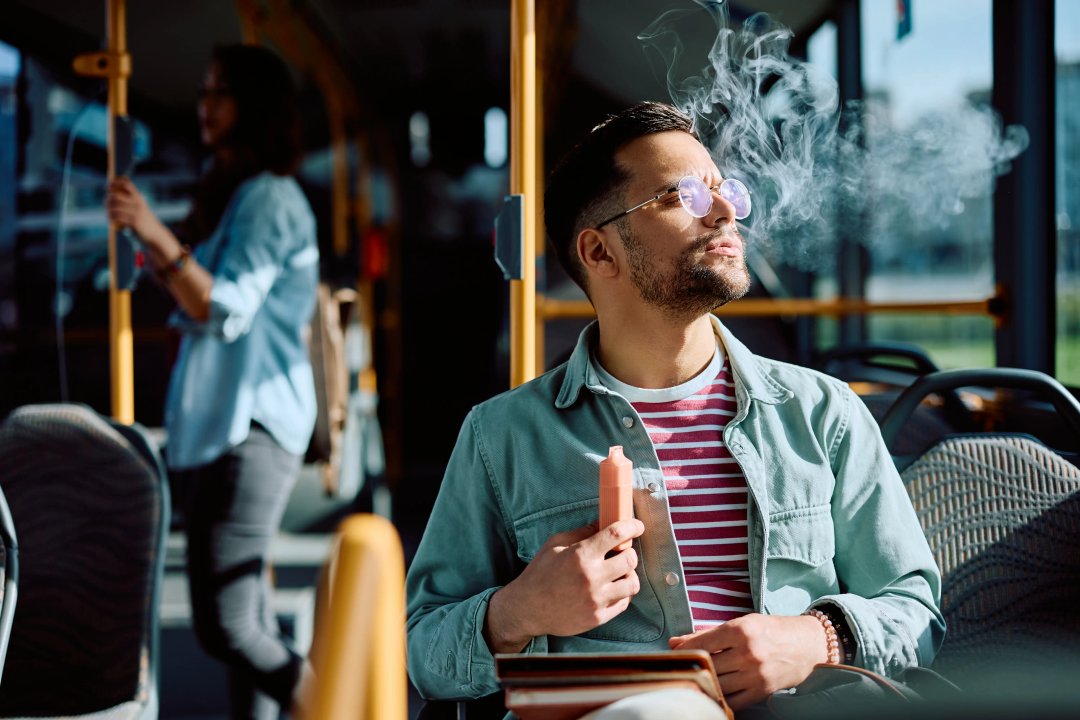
<point>1002,516</point>
<point>91,509</point>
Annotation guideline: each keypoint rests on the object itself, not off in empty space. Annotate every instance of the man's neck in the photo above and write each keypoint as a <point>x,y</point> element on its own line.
<point>654,351</point>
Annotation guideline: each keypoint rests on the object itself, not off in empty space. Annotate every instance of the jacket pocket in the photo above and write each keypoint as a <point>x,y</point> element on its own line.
<point>804,535</point>
<point>799,567</point>
<point>643,620</point>
<point>533,530</point>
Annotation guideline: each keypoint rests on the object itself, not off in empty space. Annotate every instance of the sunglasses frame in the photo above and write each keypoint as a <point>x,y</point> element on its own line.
<point>677,188</point>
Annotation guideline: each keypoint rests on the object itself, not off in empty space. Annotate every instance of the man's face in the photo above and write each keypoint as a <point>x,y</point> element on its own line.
<point>684,265</point>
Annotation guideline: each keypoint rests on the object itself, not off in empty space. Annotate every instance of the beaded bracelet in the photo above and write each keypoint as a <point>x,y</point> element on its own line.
<point>843,633</point>
<point>166,273</point>
<point>832,640</point>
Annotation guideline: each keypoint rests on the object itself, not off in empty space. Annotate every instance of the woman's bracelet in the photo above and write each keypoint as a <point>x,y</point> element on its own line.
<point>832,638</point>
<point>167,272</point>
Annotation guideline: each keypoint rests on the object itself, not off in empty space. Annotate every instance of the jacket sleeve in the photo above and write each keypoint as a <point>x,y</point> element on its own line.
<point>466,554</point>
<point>890,587</point>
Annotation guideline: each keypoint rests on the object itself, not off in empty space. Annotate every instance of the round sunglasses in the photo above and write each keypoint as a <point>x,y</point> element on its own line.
<point>696,198</point>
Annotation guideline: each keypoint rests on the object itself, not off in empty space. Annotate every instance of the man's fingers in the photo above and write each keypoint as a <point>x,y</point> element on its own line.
<point>729,663</point>
<point>615,608</point>
<point>621,563</point>
<point>738,699</point>
<point>713,640</point>
<point>570,537</point>
<point>625,587</point>
<point>616,534</point>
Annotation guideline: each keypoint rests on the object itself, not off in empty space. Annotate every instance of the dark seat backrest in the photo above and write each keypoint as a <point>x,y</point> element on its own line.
<point>91,510</point>
<point>9,577</point>
<point>1002,516</point>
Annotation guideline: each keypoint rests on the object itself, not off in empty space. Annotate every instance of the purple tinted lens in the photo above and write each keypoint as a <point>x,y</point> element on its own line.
<point>695,196</point>
<point>736,193</point>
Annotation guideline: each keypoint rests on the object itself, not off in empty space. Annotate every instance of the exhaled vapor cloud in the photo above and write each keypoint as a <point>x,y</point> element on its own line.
<point>775,122</point>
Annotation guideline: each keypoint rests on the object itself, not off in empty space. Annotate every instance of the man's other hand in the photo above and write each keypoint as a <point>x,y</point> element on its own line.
<point>571,586</point>
<point>756,655</point>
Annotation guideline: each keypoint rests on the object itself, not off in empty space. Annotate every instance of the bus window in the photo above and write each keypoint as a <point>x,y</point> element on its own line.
<point>1067,205</point>
<point>54,245</point>
<point>924,94</point>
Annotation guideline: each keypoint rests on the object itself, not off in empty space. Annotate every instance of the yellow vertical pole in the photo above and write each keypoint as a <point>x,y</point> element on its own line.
<point>523,182</point>
<point>249,32</point>
<point>121,354</point>
<point>540,321</point>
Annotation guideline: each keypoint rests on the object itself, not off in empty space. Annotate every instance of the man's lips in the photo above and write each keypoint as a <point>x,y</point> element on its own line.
<point>726,243</point>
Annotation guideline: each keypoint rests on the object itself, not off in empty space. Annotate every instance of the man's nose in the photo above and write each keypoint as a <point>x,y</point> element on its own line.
<point>721,213</point>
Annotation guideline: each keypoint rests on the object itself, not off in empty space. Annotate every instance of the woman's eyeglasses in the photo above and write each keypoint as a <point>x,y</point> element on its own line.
<point>696,198</point>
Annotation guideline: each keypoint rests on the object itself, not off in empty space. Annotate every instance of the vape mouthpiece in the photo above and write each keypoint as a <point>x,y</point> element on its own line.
<point>616,470</point>
<point>616,489</point>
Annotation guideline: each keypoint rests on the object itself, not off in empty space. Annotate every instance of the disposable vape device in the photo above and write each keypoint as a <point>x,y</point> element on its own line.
<point>616,489</point>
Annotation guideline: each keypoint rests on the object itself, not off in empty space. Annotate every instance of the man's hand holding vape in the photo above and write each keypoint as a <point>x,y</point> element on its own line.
<point>570,587</point>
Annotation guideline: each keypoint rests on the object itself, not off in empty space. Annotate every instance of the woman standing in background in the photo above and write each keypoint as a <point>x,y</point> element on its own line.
<point>241,403</point>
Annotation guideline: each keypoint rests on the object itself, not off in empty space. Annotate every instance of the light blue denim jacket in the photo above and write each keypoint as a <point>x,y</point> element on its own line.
<point>249,360</point>
<point>829,521</point>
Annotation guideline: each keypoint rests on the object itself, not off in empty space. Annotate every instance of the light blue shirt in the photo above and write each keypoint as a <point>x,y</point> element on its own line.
<point>249,360</point>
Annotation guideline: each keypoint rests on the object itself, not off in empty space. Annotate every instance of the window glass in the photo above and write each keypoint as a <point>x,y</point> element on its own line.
<point>9,73</point>
<point>1067,193</point>
<point>54,264</point>
<point>821,52</point>
<point>924,94</point>
<point>821,48</point>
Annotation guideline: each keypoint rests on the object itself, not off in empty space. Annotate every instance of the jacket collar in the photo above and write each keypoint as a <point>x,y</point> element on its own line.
<point>750,375</point>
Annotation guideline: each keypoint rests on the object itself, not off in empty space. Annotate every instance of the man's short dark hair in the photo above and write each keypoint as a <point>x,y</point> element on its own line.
<point>586,186</point>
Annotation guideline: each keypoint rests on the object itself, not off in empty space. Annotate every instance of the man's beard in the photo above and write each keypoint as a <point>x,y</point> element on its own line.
<point>691,289</point>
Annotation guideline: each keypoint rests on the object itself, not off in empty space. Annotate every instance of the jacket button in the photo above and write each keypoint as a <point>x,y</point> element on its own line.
<point>628,422</point>
<point>671,579</point>
<point>654,487</point>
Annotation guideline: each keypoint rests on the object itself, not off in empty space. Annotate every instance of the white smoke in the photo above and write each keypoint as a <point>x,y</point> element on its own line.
<point>775,122</point>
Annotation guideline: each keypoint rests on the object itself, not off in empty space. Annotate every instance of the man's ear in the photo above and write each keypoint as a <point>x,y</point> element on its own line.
<point>596,254</point>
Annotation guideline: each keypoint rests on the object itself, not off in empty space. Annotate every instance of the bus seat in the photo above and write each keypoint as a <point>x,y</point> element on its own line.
<point>1001,513</point>
<point>891,363</point>
<point>1063,423</point>
<point>9,578</point>
<point>91,503</point>
<point>358,652</point>
<point>879,371</point>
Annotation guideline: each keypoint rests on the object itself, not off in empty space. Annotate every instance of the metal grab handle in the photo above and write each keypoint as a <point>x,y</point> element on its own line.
<point>1064,402</point>
<point>867,351</point>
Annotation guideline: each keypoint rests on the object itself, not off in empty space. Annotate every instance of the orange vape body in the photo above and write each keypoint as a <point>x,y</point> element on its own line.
<point>616,490</point>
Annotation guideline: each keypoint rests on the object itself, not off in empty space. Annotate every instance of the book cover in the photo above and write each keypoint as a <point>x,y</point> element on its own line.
<point>563,686</point>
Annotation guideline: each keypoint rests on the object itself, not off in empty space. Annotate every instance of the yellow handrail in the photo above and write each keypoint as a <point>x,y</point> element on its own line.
<point>114,64</point>
<point>523,173</point>
<point>359,652</point>
<point>550,309</point>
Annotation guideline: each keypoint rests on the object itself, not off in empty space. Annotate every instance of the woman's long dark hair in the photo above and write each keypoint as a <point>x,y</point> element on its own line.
<point>266,135</point>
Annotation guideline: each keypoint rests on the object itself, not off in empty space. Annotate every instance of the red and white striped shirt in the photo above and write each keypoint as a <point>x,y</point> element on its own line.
<point>707,493</point>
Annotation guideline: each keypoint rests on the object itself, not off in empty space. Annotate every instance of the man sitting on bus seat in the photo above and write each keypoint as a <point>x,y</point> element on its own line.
<point>769,517</point>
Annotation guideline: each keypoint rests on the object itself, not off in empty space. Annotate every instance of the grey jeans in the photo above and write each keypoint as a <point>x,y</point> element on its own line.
<point>234,508</point>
